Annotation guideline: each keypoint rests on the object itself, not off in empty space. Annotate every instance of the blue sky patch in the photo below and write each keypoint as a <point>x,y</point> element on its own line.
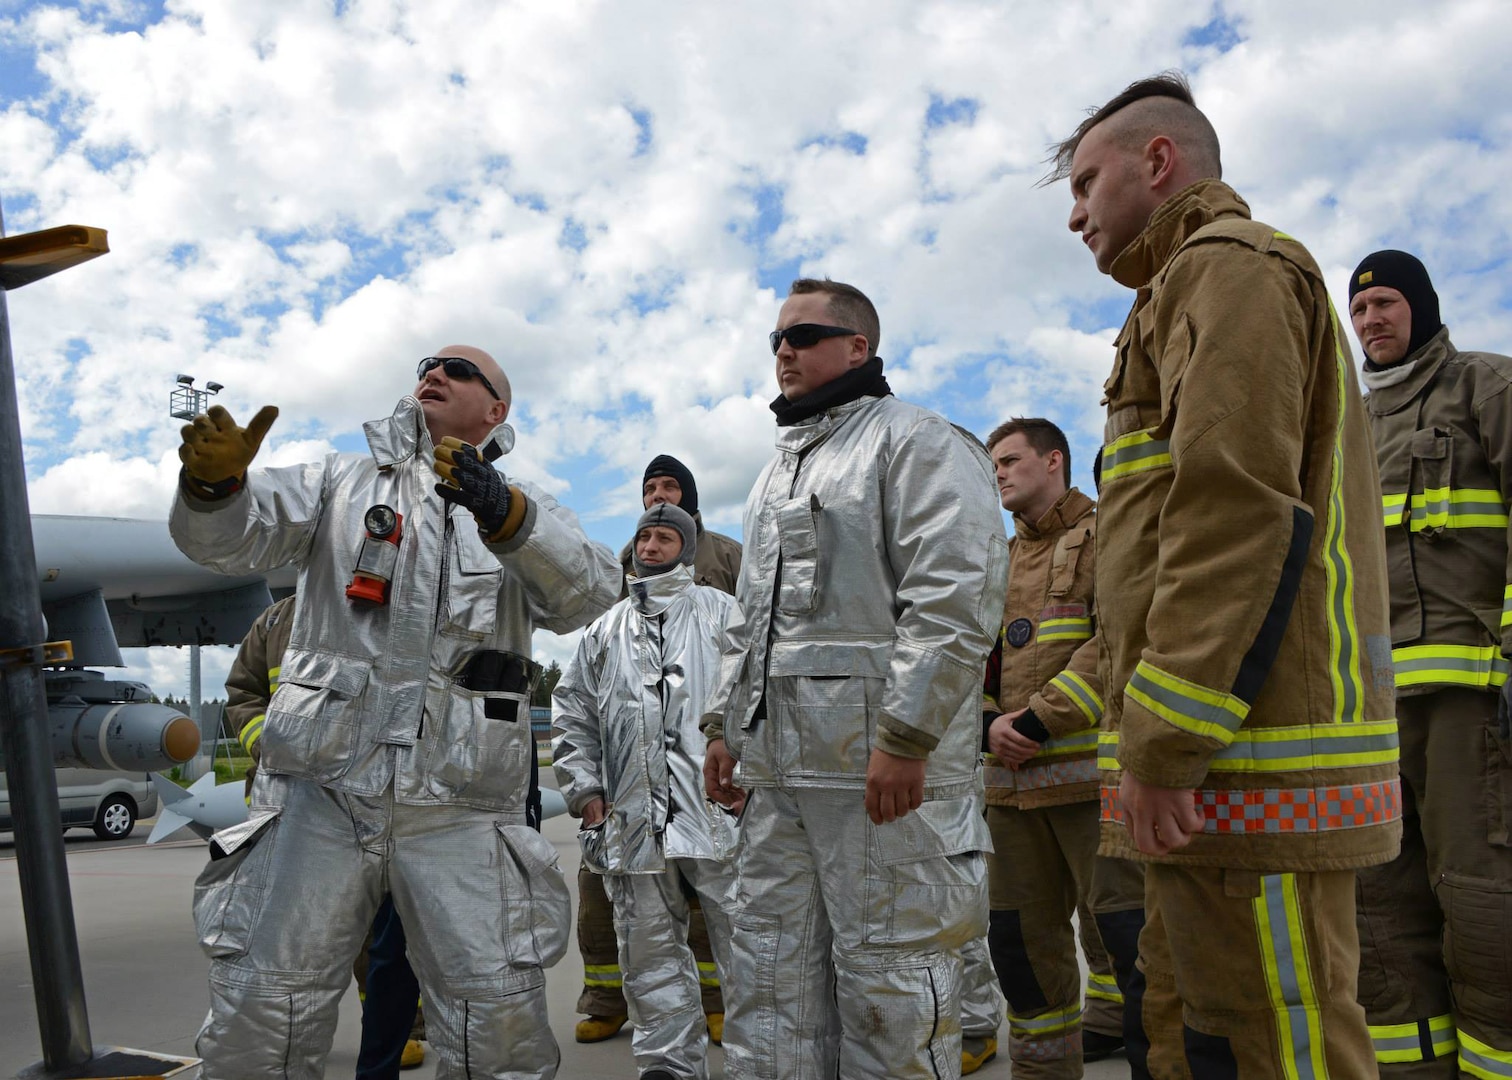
<point>944,112</point>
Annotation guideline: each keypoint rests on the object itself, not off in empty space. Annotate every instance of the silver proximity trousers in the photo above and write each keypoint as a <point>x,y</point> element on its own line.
<point>662,991</point>
<point>284,909</point>
<point>847,938</point>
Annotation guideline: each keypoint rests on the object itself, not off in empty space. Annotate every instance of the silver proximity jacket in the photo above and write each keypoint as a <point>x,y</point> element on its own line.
<point>370,694</point>
<point>872,588</point>
<point>625,722</point>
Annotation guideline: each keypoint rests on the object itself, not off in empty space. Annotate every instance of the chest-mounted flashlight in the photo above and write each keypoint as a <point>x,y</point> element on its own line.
<point>378,555</point>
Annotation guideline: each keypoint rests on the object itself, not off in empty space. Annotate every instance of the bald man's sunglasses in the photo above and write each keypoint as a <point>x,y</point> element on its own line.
<point>806,335</point>
<point>457,368</point>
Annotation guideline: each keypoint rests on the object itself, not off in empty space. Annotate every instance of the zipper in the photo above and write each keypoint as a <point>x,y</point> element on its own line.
<point>446,534</point>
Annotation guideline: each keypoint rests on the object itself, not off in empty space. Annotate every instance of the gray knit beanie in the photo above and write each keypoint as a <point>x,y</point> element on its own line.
<point>673,517</point>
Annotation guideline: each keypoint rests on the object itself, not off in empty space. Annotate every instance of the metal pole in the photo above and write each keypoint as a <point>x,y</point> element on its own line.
<point>196,766</point>
<point>57,979</point>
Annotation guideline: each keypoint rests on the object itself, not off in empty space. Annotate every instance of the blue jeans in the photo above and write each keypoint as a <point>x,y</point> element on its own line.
<point>393,994</point>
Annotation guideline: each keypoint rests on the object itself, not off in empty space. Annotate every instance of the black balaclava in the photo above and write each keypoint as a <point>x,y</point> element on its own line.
<point>1404,273</point>
<point>667,465</point>
<point>673,517</point>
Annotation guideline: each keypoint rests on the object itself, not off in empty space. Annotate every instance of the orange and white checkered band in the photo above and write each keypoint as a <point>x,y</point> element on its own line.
<point>1287,810</point>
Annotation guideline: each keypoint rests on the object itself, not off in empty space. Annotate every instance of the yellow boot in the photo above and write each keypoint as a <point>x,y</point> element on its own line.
<point>413,1056</point>
<point>976,1051</point>
<point>598,1028</point>
<point>716,1027</point>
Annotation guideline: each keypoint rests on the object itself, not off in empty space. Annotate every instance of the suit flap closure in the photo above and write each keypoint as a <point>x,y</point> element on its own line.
<point>345,675</point>
<point>790,656</point>
<point>231,840</point>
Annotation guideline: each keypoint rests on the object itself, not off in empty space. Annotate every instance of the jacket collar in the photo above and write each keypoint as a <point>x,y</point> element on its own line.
<point>1067,511</point>
<point>653,595</point>
<point>401,434</point>
<point>1171,225</point>
<point>804,434</point>
<point>1425,364</point>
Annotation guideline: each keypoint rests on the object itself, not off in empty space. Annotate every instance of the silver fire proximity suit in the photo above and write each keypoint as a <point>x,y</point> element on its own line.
<point>392,762</point>
<point>625,722</point>
<point>872,587</point>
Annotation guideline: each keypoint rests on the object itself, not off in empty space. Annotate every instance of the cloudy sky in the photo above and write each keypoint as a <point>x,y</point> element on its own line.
<point>305,198</point>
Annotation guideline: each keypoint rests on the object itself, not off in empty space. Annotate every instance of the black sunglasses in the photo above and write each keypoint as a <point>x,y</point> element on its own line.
<point>806,334</point>
<point>457,368</point>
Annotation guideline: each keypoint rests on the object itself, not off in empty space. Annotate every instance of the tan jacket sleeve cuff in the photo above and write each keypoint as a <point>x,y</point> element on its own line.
<point>900,740</point>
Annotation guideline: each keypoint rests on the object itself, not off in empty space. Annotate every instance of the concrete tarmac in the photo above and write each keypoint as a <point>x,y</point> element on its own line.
<point>144,972</point>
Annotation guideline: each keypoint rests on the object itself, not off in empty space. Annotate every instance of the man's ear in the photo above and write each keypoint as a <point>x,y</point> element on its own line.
<point>497,412</point>
<point>860,350</point>
<point>1160,160</point>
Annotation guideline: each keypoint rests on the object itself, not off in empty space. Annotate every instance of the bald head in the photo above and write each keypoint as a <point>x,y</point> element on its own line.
<point>486,364</point>
<point>1158,107</point>
<point>459,404</point>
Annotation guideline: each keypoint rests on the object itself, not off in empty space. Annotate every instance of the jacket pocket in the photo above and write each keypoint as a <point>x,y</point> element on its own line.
<point>1065,559</point>
<point>1432,481</point>
<point>228,894</point>
<point>591,844</point>
<point>925,876</point>
<point>537,907</point>
<point>472,593</point>
<point>478,753</point>
<point>798,535</point>
<point>315,715</point>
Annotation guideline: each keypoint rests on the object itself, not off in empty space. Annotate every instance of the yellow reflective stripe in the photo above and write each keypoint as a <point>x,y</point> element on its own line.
<point>251,732</point>
<point>602,975</point>
<point>1343,634</point>
<point>1506,618</point>
<point>1050,1023</point>
<point>1392,507</point>
<point>708,974</point>
<point>1291,749</point>
<point>273,673</point>
<point>1396,1043</point>
<point>1132,454</point>
<point>1458,508</point>
<point>1478,1059</point>
<point>1211,714</point>
<point>1475,666</point>
<point>1071,629</point>
<point>1081,694</point>
<point>1103,987</point>
<point>1107,751</point>
<point>1288,979</point>
<point>1078,742</point>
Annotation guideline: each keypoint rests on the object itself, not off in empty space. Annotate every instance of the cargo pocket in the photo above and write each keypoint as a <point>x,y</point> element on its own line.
<point>537,907</point>
<point>228,894</point>
<point>925,877</point>
<point>479,751</point>
<point>314,716</point>
<point>760,938</point>
<point>798,537</point>
<point>1477,947</point>
<point>838,720</point>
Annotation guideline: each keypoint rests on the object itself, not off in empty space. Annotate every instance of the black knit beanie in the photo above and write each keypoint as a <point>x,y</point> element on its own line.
<point>667,465</point>
<point>673,517</point>
<point>1404,273</point>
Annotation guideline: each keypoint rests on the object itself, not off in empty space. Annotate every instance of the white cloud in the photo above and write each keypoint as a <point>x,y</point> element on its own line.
<point>305,199</point>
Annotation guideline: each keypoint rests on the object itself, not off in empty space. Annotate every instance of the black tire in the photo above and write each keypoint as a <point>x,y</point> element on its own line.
<point>116,818</point>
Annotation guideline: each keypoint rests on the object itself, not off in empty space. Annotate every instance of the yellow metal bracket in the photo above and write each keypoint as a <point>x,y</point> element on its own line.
<point>49,652</point>
<point>29,257</point>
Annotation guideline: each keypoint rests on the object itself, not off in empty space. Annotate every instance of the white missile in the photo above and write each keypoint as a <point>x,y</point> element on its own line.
<point>203,807</point>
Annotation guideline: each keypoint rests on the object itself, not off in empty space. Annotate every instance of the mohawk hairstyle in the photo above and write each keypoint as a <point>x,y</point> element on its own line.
<point>1176,115</point>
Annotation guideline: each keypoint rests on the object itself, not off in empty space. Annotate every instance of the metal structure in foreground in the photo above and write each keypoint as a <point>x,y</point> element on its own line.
<point>46,901</point>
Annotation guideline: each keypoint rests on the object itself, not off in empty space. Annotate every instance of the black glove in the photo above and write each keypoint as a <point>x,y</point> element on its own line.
<point>1504,712</point>
<point>468,480</point>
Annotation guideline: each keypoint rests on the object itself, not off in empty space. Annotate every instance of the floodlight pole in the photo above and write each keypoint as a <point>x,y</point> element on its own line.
<point>46,901</point>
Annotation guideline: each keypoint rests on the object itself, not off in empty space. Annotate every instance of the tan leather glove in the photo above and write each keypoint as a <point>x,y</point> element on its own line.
<point>215,450</point>
<point>468,480</point>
